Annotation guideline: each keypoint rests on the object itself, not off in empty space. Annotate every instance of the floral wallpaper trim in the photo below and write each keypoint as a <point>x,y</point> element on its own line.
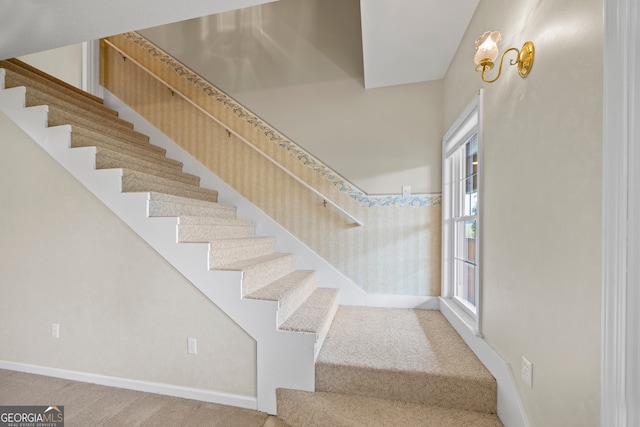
<point>419,200</point>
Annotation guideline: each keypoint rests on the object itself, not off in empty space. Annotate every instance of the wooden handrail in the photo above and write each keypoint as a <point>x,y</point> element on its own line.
<point>240,137</point>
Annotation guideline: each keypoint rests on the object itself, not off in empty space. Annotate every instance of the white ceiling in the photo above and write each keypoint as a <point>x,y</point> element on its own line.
<point>29,26</point>
<point>404,41</point>
<point>409,41</point>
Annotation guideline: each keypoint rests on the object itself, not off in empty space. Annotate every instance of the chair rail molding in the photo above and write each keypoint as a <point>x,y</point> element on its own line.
<point>620,388</point>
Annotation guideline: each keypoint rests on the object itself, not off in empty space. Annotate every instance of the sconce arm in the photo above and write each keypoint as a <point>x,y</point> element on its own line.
<point>500,68</point>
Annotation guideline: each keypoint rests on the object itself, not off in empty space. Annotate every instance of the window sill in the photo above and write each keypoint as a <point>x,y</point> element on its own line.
<point>458,317</point>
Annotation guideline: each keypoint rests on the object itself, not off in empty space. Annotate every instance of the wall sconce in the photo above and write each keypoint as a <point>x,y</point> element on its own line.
<point>487,52</point>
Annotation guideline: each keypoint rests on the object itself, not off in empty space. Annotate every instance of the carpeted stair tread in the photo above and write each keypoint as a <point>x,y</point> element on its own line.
<point>282,287</point>
<point>227,251</point>
<point>134,181</point>
<point>43,93</point>
<point>314,315</point>
<point>310,315</point>
<point>35,96</point>
<point>85,137</point>
<point>109,159</point>
<point>254,263</point>
<point>290,291</point>
<point>308,409</point>
<point>28,70</point>
<point>59,93</point>
<point>167,205</point>
<point>413,356</point>
<point>58,116</point>
<point>170,198</point>
<point>260,271</point>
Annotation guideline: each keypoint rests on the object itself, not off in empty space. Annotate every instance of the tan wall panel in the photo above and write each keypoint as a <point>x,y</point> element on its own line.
<point>397,251</point>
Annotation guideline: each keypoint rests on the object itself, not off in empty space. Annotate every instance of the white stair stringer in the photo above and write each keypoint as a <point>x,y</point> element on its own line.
<point>305,258</point>
<point>284,359</point>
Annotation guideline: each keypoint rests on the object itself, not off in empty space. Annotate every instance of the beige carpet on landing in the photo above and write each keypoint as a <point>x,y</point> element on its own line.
<point>394,367</point>
<point>412,356</point>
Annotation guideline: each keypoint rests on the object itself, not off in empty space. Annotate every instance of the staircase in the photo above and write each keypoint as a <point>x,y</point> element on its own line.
<point>129,174</point>
<point>368,366</point>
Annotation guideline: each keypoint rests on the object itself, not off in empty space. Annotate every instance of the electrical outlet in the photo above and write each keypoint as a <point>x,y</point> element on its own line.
<point>406,190</point>
<point>527,372</point>
<point>55,330</point>
<point>192,346</point>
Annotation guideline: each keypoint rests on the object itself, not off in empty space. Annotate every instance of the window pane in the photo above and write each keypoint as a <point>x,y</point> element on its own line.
<point>470,241</point>
<point>470,284</point>
<point>470,196</point>
<point>470,177</point>
<point>465,281</point>
<point>461,238</point>
<point>466,240</point>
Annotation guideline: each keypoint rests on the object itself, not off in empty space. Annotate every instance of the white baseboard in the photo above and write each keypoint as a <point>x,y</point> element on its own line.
<point>247,402</point>
<point>510,408</point>
<point>402,301</point>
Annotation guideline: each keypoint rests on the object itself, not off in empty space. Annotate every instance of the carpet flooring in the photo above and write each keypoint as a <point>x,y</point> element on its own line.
<point>319,409</point>
<point>412,356</point>
<point>394,367</point>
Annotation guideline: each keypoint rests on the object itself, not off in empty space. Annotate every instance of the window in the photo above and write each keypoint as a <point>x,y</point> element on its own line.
<point>461,148</point>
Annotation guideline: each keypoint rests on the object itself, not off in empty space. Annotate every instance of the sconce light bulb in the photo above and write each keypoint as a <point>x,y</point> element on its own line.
<point>487,47</point>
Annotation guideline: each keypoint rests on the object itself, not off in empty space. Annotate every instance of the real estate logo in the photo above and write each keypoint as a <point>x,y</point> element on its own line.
<point>31,416</point>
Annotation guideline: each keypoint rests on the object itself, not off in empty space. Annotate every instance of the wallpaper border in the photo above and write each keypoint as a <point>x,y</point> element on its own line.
<point>343,185</point>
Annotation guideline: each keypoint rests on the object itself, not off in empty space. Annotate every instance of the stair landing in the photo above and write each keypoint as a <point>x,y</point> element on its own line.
<point>380,362</point>
<point>412,356</point>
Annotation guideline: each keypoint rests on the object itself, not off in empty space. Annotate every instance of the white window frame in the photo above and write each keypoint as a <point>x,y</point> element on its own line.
<point>468,124</point>
<point>620,389</point>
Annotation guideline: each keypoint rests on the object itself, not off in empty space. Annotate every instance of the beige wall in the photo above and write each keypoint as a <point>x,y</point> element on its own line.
<point>542,205</point>
<point>64,63</point>
<point>123,311</point>
<point>298,65</point>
